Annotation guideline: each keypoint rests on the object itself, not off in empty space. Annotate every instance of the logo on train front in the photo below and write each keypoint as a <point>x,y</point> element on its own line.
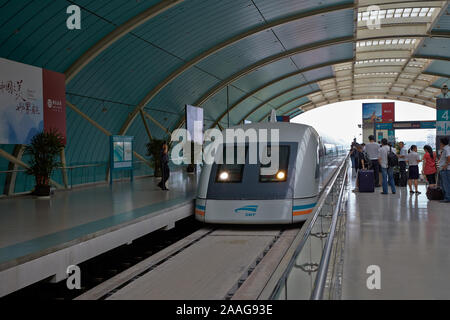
<point>249,211</point>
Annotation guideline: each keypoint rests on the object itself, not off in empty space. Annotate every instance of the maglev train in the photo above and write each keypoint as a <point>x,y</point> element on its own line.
<point>241,194</point>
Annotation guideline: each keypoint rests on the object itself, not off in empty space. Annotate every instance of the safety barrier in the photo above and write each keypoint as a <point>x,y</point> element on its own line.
<point>312,266</point>
<point>78,175</point>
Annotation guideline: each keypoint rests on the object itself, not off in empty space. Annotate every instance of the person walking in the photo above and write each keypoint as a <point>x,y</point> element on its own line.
<point>372,150</point>
<point>413,160</point>
<point>164,167</point>
<point>444,167</point>
<point>429,165</point>
<point>386,170</point>
<point>402,164</point>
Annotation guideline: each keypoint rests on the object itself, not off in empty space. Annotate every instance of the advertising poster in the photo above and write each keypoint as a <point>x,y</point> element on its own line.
<point>376,113</point>
<point>21,102</point>
<point>31,100</point>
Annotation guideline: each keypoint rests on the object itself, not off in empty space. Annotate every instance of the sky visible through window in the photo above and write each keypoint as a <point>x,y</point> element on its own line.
<point>340,120</point>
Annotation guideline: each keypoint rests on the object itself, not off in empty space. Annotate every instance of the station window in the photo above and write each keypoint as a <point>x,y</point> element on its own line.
<point>231,172</point>
<point>282,173</point>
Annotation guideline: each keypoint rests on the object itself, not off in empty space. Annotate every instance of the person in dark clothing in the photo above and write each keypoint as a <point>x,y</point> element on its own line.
<point>164,159</point>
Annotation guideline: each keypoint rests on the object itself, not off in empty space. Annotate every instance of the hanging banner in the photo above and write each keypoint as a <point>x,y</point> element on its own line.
<point>54,101</point>
<point>31,100</point>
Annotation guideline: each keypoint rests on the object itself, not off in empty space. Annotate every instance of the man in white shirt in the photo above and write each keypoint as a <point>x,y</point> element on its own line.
<point>402,164</point>
<point>386,171</point>
<point>372,149</point>
<point>444,166</point>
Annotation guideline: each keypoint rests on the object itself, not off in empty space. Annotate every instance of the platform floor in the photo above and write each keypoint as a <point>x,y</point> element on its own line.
<point>28,225</point>
<point>408,237</point>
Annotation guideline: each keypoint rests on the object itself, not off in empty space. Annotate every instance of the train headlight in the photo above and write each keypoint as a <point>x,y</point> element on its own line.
<point>281,175</point>
<point>224,176</point>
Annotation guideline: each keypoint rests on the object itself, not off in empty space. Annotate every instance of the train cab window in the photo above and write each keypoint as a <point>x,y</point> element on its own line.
<point>282,173</point>
<point>231,172</point>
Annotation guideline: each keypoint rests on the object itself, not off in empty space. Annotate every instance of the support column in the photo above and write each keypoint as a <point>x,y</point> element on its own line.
<point>64,170</point>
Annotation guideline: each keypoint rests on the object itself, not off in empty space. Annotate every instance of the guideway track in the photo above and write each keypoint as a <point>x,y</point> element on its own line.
<point>211,264</point>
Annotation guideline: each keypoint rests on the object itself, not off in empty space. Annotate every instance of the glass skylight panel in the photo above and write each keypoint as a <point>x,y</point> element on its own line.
<point>396,13</point>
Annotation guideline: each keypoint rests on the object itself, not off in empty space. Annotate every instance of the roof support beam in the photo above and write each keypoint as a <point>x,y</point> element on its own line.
<point>267,61</point>
<point>117,34</point>
<point>267,101</point>
<point>18,162</point>
<point>377,95</point>
<point>288,102</point>
<point>224,45</point>
<point>103,130</point>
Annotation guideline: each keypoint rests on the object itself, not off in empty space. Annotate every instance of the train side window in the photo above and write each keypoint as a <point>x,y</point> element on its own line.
<point>233,172</point>
<point>282,174</point>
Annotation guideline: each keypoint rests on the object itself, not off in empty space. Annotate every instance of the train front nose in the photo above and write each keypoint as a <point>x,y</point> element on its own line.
<point>245,211</point>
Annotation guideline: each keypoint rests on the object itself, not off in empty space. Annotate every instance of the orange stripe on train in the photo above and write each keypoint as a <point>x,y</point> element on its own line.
<point>301,213</point>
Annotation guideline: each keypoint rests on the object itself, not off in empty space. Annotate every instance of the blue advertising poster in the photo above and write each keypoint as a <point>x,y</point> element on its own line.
<point>372,112</point>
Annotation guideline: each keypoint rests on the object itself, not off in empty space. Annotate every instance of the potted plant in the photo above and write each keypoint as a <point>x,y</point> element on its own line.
<point>154,151</point>
<point>44,150</point>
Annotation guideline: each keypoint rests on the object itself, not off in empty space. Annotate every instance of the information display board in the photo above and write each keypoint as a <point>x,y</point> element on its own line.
<point>31,100</point>
<point>121,154</point>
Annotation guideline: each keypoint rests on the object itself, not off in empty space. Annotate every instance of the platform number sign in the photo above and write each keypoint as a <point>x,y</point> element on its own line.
<point>442,119</point>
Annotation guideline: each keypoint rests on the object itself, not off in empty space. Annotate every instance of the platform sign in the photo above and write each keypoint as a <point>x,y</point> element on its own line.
<point>121,154</point>
<point>442,119</point>
<point>31,100</point>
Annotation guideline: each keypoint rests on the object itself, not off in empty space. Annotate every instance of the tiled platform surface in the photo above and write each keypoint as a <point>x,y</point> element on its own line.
<point>408,237</point>
<point>77,225</point>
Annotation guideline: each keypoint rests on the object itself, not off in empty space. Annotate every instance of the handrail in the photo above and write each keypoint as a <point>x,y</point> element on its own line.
<point>301,239</point>
<point>321,277</point>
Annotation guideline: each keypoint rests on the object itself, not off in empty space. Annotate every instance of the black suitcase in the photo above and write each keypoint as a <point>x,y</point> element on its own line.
<point>435,193</point>
<point>366,181</point>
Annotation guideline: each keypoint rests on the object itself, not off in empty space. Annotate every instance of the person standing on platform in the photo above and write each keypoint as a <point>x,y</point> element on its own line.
<point>444,167</point>
<point>429,165</point>
<point>413,160</point>
<point>372,150</point>
<point>353,155</point>
<point>402,164</point>
<point>386,170</point>
<point>164,167</point>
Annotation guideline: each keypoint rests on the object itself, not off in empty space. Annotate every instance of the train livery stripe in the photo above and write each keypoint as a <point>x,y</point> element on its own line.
<point>200,210</point>
<point>303,210</point>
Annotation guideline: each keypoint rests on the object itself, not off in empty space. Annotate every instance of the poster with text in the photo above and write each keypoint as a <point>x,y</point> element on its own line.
<point>31,100</point>
<point>21,102</point>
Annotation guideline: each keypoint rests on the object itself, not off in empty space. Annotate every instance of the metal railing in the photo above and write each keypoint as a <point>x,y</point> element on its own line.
<point>78,175</point>
<point>305,270</point>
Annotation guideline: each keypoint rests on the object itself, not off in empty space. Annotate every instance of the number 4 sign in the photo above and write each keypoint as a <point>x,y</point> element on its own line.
<point>443,117</point>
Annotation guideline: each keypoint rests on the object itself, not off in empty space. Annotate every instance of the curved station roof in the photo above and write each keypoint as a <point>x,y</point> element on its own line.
<point>134,65</point>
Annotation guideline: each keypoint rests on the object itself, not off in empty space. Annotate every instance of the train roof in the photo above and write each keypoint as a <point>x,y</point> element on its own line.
<point>289,132</point>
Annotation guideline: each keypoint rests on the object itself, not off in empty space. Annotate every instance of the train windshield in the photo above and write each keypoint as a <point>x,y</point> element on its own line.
<point>282,173</point>
<point>232,171</point>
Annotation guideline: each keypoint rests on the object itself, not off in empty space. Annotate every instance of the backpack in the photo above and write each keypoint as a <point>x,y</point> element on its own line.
<point>392,159</point>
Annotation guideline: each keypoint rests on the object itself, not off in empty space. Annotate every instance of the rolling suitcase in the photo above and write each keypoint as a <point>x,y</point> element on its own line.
<point>435,193</point>
<point>366,180</point>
